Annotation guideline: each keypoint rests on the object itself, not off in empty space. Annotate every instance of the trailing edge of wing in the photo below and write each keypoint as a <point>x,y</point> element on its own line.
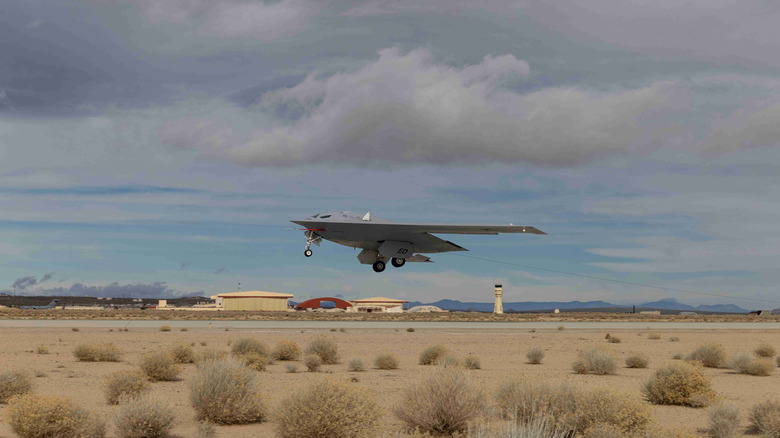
<point>473,229</point>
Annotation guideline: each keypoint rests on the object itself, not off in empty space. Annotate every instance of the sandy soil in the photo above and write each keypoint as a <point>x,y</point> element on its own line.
<point>502,354</point>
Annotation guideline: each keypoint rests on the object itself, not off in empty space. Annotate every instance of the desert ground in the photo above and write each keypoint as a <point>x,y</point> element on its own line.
<point>501,352</point>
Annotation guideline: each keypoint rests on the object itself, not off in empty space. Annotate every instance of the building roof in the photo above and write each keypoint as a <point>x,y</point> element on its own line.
<point>379,300</point>
<point>251,294</point>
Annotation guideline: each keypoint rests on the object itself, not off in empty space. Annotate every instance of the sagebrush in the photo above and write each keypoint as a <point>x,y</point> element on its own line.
<point>144,417</point>
<point>597,361</point>
<point>105,352</point>
<point>351,412</point>
<point>637,361</point>
<point>679,384</point>
<point>14,383</point>
<point>245,346</point>
<point>432,354</point>
<point>535,355</point>
<point>124,384</point>
<point>226,392</point>
<point>286,350</point>
<point>48,416</point>
<point>765,418</point>
<point>711,355</point>
<point>325,348</point>
<point>159,366</point>
<point>183,353</point>
<point>386,361</point>
<point>724,421</point>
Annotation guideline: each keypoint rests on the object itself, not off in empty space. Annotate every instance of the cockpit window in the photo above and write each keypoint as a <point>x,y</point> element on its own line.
<point>325,216</point>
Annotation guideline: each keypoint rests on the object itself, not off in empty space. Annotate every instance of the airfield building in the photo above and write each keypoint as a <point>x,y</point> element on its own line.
<point>253,300</point>
<point>378,305</point>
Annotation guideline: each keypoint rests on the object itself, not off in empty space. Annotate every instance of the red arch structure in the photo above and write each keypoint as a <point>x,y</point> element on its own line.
<point>316,303</point>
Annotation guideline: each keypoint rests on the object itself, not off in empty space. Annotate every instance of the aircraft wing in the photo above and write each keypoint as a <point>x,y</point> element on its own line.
<point>468,229</point>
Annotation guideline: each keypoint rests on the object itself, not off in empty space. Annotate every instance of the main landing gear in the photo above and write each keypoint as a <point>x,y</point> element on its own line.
<point>379,266</point>
<point>397,262</point>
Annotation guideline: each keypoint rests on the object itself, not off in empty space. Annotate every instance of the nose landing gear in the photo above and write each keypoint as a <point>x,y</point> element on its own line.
<point>308,252</point>
<point>311,237</point>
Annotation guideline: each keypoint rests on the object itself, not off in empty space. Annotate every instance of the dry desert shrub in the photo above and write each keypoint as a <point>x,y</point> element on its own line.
<point>165,328</point>
<point>614,340</point>
<point>183,353</point>
<point>105,352</point>
<point>386,361</point>
<point>572,409</point>
<point>765,350</point>
<point>621,409</point>
<point>711,355</point>
<point>124,384</point>
<point>14,383</point>
<point>312,362</point>
<point>286,350</point>
<point>724,421</point>
<point>765,418</point>
<point>674,339</point>
<point>679,384</point>
<point>74,329</point>
<point>42,349</point>
<point>410,330</point>
<point>637,361</point>
<point>678,356</point>
<point>210,355</point>
<point>144,417</point>
<point>444,403</point>
<point>526,400</point>
<point>448,360</point>
<point>778,361</point>
<point>325,348</point>
<point>356,364</point>
<point>539,428</point>
<point>246,346</point>
<point>432,354</point>
<point>759,367</point>
<point>159,366</point>
<point>47,416</point>
<point>472,363</point>
<point>291,368</point>
<point>739,362</point>
<point>535,355</point>
<point>603,430</point>
<point>350,412</point>
<point>255,361</point>
<point>596,361</point>
<point>183,329</point>
<point>654,336</point>
<point>226,392</point>
<point>561,328</point>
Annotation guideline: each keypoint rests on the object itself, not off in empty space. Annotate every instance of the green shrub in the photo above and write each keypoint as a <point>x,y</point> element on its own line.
<point>535,355</point>
<point>350,412</point>
<point>765,350</point>
<point>711,355</point>
<point>386,361</point>
<point>472,363</point>
<point>765,418</point>
<point>431,355</point>
<point>325,348</point>
<point>596,361</point>
<point>637,361</point>
<point>226,392</point>
<point>286,350</point>
<point>14,383</point>
<point>246,346</point>
<point>724,421</point>
<point>356,364</point>
<point>159,366</point>
<point>183,353</point>
<point>445,402</point>
<point>678,384</point>
<point>124,384</point>
<point>312,363</point>
<point>144,417</point>
<point>47,416</point>
<point>105,352</point>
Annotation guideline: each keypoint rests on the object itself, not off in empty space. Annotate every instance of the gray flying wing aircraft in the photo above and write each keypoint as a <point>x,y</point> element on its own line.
<point>383,241</point>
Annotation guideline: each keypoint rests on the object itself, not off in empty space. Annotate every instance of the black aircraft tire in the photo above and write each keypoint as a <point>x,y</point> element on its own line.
<point>397,262</point>
<point>307,253</point>
<point>379,266</point>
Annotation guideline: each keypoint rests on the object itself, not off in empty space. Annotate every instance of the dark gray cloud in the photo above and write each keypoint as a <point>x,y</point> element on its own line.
<point>23,283</point>
<point>46,277</point>
<point>220,271</point>
<point>157,289</point>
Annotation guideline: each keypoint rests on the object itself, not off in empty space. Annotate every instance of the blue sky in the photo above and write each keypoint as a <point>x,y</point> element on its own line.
<point>161,147</point>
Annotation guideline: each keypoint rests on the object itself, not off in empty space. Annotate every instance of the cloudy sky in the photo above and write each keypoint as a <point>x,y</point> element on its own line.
<point>160,147</point>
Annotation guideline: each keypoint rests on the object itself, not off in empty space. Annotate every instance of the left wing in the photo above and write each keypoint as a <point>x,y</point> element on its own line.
<point>467,229</point>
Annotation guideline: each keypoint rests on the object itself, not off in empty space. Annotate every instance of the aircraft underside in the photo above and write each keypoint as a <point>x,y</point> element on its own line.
<point>377,254</point>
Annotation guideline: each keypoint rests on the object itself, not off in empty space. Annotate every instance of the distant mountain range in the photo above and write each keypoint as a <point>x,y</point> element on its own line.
<point>529,306</point>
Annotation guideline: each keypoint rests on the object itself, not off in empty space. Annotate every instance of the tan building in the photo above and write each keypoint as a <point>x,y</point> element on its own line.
<point>378,305</point>
<point>252,300</point>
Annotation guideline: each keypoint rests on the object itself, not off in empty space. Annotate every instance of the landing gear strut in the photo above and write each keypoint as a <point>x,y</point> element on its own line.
<point>398,262</point>
<point>311,237</point>
<point>379,266</point>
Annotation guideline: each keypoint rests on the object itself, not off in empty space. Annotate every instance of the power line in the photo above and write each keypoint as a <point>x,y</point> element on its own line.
<point>630,283</point>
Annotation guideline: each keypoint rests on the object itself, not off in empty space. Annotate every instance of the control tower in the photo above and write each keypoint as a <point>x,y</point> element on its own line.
<point>499,307</point>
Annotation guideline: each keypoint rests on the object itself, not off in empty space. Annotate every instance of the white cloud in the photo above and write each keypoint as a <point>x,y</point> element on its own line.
<point>406,108</point>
